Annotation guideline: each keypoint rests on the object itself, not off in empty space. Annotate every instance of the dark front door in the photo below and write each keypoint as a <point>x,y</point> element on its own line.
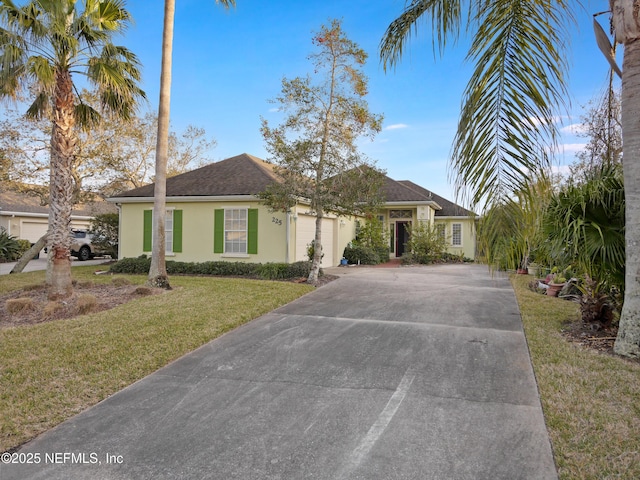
<point>402,237</point>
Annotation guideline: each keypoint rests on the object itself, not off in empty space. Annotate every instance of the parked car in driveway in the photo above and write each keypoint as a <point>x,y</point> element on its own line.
<point>82,246</point>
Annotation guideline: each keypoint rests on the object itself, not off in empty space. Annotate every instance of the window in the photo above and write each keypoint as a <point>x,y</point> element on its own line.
<point>235,230</point>
<point>456,234</point>
<point>441,229</point>
<point>172,229</point>
<point>400,214</point>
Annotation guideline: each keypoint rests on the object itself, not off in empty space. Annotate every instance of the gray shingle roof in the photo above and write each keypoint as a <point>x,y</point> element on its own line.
<point>12,201</point>
<point>449,209</point>
<point>248,175</point>
<point>240,175</point>
<point>395,191</point>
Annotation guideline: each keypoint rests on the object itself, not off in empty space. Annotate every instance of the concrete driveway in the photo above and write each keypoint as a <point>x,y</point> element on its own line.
<point>406,373</point>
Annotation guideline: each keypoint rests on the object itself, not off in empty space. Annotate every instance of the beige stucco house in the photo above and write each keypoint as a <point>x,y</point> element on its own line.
<point>23,216</point>
<point>213,214</point>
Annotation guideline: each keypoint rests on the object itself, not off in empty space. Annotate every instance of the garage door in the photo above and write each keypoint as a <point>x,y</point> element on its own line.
<point>305,233</point>
<point>32,231</point>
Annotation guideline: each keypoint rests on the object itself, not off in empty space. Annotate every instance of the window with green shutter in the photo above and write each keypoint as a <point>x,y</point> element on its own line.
<point>252,226</point>
<point>147,230</point>
<point>235,231</point>
<point>173,230</point>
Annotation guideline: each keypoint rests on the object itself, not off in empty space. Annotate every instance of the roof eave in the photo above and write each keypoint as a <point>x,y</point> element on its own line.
<point>186,198</point>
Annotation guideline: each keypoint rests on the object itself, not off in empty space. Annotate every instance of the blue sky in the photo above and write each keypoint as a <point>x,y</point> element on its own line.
<point>228,64</point>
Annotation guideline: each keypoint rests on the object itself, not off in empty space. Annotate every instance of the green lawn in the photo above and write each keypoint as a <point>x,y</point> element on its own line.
<point>51,371</point>
<point>591,400</point>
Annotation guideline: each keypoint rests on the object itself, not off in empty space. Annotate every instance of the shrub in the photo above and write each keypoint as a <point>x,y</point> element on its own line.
<point>105,233</point>
<point>86,303</point>
<point>9,246</point>
<point>270,271</point>
<point>51,308</point>
<point>23,246</point>
<point>15,305</point>
<point>361,254</point>
<point>282,271</point>
<point>373,241</point>
<point>132,266</point>
<point>142,291</point>
<point>426,244</point>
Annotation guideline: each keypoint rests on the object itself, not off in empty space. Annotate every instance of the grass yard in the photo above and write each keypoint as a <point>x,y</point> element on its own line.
<point>51,371</point>
<point>591,400</point>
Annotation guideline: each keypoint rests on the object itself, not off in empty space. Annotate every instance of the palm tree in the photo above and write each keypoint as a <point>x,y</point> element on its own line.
<point>43,44</point>
<point>515,91</point>
<point>158,269</point>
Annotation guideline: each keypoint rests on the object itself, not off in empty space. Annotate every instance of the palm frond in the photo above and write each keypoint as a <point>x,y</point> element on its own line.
<point>445,22</point>
<point>510,103</point>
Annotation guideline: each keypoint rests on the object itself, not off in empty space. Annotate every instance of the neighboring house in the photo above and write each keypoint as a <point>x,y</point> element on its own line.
<point>24,217</point>
<point>213,214</point>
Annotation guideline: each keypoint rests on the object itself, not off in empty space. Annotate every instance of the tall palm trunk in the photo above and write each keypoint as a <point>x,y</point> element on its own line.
<point>627,26</point>
<point>158,270</point>
<point>63,144</point>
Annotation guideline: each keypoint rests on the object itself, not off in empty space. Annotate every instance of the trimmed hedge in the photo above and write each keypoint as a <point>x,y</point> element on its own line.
<point>363,255</point>
<point>266,271</point>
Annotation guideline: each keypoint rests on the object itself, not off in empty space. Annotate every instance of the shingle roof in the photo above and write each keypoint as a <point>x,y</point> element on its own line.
<point>395,191</point>
<point>240,175</point>
<point>248,175</point>
<point>12,201</point>
<point>449,209</point>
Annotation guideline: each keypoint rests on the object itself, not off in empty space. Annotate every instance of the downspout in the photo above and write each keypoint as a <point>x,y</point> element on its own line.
<point>119,207</point>
<point>288,240</point>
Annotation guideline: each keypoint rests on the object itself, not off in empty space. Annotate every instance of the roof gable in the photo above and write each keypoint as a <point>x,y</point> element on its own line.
<point>240,175</point>
<point>449,209</point>
<point>395,191</point>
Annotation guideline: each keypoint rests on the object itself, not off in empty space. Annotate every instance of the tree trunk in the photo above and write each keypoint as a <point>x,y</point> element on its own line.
<point>158,270</point>
<point>317,250</point>
<point>63,144</point>
<point>29,254</point>
<point>627,27</point>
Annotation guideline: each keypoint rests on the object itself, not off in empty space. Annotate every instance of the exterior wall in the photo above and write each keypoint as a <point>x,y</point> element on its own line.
<point>198,232</point>
<point>468,247</point>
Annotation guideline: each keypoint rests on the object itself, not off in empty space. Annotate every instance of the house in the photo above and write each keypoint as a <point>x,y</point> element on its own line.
<point>408,203</point>
<point>23,216</point>
<point>213,214</point>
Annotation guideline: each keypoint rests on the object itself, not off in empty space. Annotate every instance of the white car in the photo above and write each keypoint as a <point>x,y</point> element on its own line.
<point>82,248</point>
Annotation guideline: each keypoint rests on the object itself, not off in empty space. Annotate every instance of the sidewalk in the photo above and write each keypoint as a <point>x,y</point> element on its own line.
<point>401,373</point>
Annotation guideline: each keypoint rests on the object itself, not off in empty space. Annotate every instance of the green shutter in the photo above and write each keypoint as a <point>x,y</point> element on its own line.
<point>177,231</point>
<point>218,231</point>
<point>252,223</point>
<point>147,230</point>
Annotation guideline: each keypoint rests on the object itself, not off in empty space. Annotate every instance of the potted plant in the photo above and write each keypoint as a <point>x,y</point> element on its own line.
<point>533,269</point>
<point>555,285</point>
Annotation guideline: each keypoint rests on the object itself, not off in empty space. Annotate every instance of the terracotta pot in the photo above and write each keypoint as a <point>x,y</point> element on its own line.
<point>554,289</point>
<point>522,271</point>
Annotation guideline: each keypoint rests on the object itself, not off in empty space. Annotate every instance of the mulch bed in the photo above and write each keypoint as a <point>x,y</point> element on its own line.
<point>106,296</point>
<point>582,334</point>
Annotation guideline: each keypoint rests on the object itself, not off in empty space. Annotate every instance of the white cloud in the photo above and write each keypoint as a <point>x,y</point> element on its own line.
<point>574,129</point>
<point>571,147</point>
<point>396,126</point>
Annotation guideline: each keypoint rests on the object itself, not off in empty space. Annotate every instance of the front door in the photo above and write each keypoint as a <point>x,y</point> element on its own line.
<point>402,237</point>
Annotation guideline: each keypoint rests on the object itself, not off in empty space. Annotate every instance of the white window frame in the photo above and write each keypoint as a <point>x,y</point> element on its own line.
<point>239,243</point>
<point>453,234</point>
